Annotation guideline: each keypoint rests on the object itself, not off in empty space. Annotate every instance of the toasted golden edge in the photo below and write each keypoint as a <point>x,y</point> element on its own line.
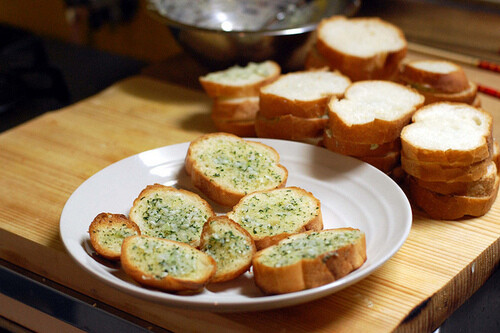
<point>235,109</point>
<point>213,190</point>
<point>221,276</point>
<point>309,273</point>
<point>453,157</point>
<point>437,172</point>
<point>168,283</point>
<point>216,89</point>
<point>289,127</point>
<point>448,83</point>
<point>356,149</point>
<point>451,207</point>
<point>103,221</point>
<point>314,224</point>
<point>385,163</point>
<point>382,66</point>
<point>241,128</point>
<point>151,189</point>
<point>480,187</point>
<point>272,105</point>
<point>468,96</point>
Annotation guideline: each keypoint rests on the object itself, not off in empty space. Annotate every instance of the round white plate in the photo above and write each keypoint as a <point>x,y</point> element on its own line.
<point>352,194</point>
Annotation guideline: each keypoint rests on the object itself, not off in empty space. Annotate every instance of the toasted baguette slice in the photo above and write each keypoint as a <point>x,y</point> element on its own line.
<point>166,264</point>
<point>242,128</point>
<point>373,112</point>
<point>226,168</point>
<point>481,187</point>
<point>359,149</point>
<point>438,76</point>
<point>289,127</point>
<point>269,216</point>
<point>301,94</point>
<point>240,81</point>
<point>309,260</point>
<point>448,133</point>
<point>230,245</point>
<point>166,212</point>
<point>107,232</point>
<point>437,172</point>
<point>361,48</point>
<point>240,108</point>
<point>451,207</point>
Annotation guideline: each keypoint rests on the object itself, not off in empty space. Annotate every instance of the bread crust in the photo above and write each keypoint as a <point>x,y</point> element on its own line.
<point>212,189</point>
<point>217,89</point>
<point>309,273</point>
<point>437,172</point>
<point>262,241</point>
<point>101,223</point>
<point>289,127</point>
<point>231,109</point>
<point>481,187</point>
<point>468,96</point>
<point>241,128</point>
<point>272,105</point>
<point>385,163</point>
<point>244,259</point>
<point>168,283</point>
<point>451,207</point>
<point>381,65</point>
<point>451,82</point>
<point>357,149</point>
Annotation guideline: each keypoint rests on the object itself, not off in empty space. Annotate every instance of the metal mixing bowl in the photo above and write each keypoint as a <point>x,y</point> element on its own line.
<point>222,33</point>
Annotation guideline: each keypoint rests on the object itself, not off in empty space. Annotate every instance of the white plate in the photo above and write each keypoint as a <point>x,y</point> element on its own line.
<point>352,194</point>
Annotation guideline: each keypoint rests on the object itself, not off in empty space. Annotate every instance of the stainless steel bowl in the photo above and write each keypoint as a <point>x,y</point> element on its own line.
<point>222,33</point>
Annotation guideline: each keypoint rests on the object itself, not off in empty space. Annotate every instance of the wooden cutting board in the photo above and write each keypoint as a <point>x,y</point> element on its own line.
<point>43,161</point>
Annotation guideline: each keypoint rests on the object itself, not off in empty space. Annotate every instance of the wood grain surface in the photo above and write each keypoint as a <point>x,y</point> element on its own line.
<point>44,160</point>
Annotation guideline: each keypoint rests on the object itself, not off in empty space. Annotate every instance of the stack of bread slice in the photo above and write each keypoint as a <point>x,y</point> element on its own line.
<point>362,48</point>
<point>294,106</point>
<point>448,154</point>
<point>367,122</point>
<point>439,81</point>
<point>235,94</point>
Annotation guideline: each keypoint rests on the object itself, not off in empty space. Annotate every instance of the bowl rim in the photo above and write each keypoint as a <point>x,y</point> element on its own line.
<point>154,12</point>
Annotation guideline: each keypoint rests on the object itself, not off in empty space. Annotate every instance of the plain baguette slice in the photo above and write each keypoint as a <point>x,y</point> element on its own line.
<point>240,81</point>
<point>230,245</point>
<point>239,108</point>
<point>385,163</point>
<point>166,264</point>
<point>107,232</point>
<point>439,76</point>
<point>269,216</point>
<point>361,48</point>
<point>166,212</point>
<point>308,260</point>
<point>448,133</point>
<point>289,127</point>
<point>356,149</point>
<point>451,207</point>
<point>226,168</point>
<point>242,128</point>
<point>301,94</point>
<point>373,112</point>
<point>481,187</point>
